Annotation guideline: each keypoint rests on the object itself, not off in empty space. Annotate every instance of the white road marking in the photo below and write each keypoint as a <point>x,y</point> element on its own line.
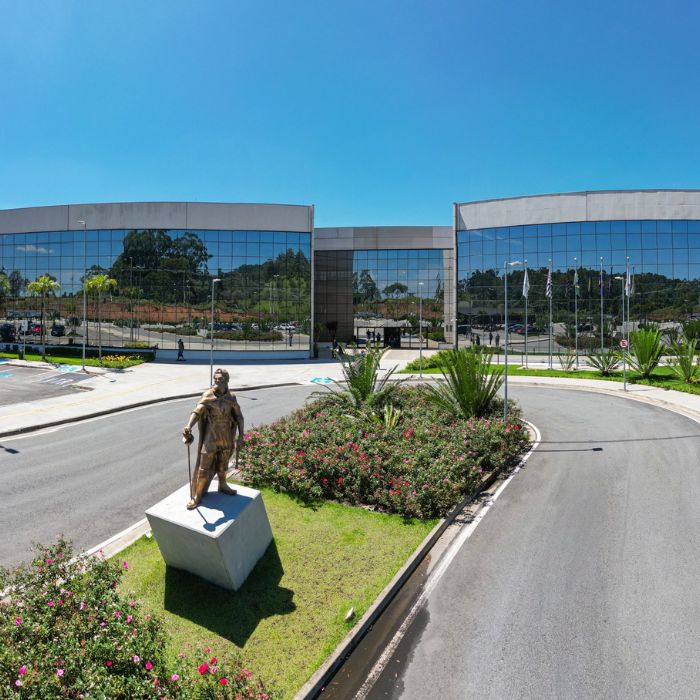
<point>435,577</point>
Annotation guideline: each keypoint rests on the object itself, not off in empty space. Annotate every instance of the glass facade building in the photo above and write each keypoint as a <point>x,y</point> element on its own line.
<point>588,262</point>
<point>383,294</point>
<point>163,280</point>
<point>278,284</point>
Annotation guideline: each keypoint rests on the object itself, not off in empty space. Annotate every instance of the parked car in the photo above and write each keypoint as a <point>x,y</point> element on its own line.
<point>530,330</point>
<point>585,327</point>
<point>34,329</point>
<point>58,330</point>
<point>7,333</point>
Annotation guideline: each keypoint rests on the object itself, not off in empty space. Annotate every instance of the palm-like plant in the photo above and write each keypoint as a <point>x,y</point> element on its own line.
<point>470,386</point>
<point>97,286</point>
<point>43,286</point>
<point>605,362</point>
<point>362,385</point>
<point>684,365</point>
<point>646,351</point>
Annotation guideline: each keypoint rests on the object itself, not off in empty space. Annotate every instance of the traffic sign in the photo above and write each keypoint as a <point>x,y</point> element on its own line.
<point>624,343</point>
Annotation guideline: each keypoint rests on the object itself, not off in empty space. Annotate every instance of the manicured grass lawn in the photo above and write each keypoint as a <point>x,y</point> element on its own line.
<point>61,360</point>
<point>289,614</point>
<point>662,377</point>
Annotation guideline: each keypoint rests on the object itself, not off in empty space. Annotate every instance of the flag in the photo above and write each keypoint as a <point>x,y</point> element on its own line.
<point>526,285</point>
<point>548,288</point>
<point>628,281</point>
<point>577,286</point>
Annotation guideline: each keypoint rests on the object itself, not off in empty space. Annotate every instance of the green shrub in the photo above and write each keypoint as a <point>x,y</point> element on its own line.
<point>605,362</point>
<point>419,465</point>
<point>684,364</point>
<point>67,632</point>
<point>470,387</point>
<point>645,351</point>
<point>363,385</point>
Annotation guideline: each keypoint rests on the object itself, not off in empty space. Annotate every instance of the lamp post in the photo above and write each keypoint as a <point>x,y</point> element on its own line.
<point>211,348</point>
<point>506,265</point>
<point>624,350</point>
<point>85,322</point>
<point>420,328</point>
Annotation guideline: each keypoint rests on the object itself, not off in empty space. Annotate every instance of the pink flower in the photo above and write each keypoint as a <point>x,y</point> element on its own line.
<point>174,677</point>
<point>125,565</point>
<point>49,561</point>
<point>149,665</point>
<point>136,659</point>
<point>132,603</point>
<point>129,618</point>
<point>223,681</point>
<point>340,479</point>
<point>51,603</point>
<point>82,606</point>
<point>117,613</point>
<point>203,668</point>
<point>18,683</point>
<point>109,664</point>
<point>60,673</point>
<point>18,620</point>
<point>22,670</point>
<point>103,624</point>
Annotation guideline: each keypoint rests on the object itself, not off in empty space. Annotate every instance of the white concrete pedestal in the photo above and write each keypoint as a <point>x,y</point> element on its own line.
<point>221,540</point>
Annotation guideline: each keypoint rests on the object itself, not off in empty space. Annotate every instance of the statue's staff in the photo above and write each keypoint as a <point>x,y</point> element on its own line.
<point>187,439</point>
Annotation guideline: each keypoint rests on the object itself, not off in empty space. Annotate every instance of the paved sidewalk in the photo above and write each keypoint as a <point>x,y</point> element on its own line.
<point>106,391</point>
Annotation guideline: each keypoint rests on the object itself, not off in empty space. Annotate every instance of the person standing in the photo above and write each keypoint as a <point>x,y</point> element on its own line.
<point>221,431</point>
<point>490,337</point>
<point>180,350</point>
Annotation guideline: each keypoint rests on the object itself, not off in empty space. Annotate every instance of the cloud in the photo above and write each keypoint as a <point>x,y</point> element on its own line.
<point>34,249</point>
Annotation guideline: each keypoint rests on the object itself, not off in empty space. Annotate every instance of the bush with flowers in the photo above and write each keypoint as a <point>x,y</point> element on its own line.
<point>67,632</point>
<point>120,361</point>
<point>419,461</point>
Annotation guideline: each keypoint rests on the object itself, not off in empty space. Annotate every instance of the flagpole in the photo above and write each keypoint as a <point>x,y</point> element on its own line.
<point>576,309</point>
<point>526,291</point>
<point>551,294</point>
<point>600,280</point>
<point>628,282</point>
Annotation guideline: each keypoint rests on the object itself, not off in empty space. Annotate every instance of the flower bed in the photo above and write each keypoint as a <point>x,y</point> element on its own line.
<point>67,632</point>
<point>420,466</point>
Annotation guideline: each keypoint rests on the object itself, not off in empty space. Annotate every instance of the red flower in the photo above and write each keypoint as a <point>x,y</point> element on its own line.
<point>203,668</point>
<point>340,479</point>
<point>109,663</point>
<point>223,681</point>
<point>212,660</point>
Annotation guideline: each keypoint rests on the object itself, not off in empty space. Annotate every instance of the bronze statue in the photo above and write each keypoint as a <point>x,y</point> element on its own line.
<point>220,418</point>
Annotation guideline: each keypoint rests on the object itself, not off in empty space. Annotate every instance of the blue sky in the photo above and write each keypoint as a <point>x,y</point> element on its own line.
<point>379,113</point>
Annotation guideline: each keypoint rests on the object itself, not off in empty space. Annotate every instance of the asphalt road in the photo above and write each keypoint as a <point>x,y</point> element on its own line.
<point>91,480</point>
<point>582,581</point>
<point>17,383</point>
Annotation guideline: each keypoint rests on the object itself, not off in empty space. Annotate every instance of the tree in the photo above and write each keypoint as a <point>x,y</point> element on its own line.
<point>43,286</point>
<point>4,287</point>
<point>97,286</point>
<point>395,288</point>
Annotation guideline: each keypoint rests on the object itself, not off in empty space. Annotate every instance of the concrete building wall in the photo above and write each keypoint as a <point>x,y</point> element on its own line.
<point>579,206</point>
<point>383,238</point>
<point>166,215</point>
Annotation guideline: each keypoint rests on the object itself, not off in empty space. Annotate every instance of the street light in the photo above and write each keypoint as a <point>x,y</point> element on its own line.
<point>85,322</point>
<point>506,265</point>
<point>420,328</point>
<point>211,348</point>
<point>624,350</point>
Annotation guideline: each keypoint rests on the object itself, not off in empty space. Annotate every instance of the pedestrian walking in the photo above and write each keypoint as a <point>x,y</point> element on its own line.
<point>478,339</point>
<point>490,338</point>
<point>498,339</point>
<point>180,350</point>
